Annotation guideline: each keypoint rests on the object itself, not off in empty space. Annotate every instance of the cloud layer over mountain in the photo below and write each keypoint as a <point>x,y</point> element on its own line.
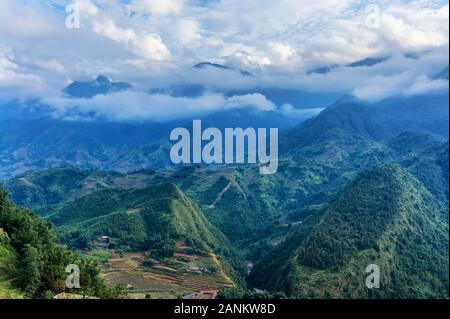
<point>131,106</point>
<point>154,44</point>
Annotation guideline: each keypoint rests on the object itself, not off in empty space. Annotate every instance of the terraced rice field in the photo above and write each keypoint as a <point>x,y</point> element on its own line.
<point>166,280</point>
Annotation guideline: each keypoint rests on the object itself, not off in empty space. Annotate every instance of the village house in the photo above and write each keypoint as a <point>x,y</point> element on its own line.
<point>102,242</point>
<point>197,270</point>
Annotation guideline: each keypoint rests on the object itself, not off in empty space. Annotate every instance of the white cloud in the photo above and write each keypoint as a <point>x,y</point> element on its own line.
<point>154,42</point>
<point>249,60</point>
<point>257,100</point>
<point>148,45</point>
<point>15,82</point>
<point>24,21</point>
<point>86,7</point>
<point>413,29</point>
<point>283,51</point>
<point>376,88</point>
<point>188,31</point>
<point>290,111</point>
<point>158,7</point>
<point>424,85</point>
<point>400,75</point>
<point>139,106</point>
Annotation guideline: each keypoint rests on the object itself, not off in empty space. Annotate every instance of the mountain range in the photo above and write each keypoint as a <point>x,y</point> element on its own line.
<point>88,89</point>
<point>357,184</point>
<point>383,217</point>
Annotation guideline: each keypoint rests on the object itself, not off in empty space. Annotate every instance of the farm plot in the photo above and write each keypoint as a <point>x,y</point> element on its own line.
<point>183,274</point>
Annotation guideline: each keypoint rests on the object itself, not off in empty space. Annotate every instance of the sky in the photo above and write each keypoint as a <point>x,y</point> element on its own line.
<point>154,44</point>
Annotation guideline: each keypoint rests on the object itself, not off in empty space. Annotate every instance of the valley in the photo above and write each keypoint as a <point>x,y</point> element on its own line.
<point>308,224</point>
<point>217,149</point>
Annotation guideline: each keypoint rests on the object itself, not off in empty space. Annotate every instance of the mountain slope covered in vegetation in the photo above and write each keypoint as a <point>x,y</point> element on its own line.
<point>268,219</point>
<point>384,217</point>
<point>32,264</point>
<point>140,218</point>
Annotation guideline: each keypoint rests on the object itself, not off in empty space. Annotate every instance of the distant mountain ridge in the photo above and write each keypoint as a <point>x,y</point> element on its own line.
<point>206,65</point>
<point>378,170</point>
<point>317,158</point>
<point>380,121</point>
<point>367,62</point>
<point>442,75</point>
<point>89,89</point>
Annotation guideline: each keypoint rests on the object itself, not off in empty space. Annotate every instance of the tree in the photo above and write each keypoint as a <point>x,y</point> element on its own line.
<point>30,276</point>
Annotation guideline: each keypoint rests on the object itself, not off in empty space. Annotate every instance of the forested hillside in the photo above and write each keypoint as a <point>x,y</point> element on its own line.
<point>282,221</point>
<point>384,217</point>
<point>208,149</point>
<point>154,219</point>
<point>151,218</point>
<point>32,264</point>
